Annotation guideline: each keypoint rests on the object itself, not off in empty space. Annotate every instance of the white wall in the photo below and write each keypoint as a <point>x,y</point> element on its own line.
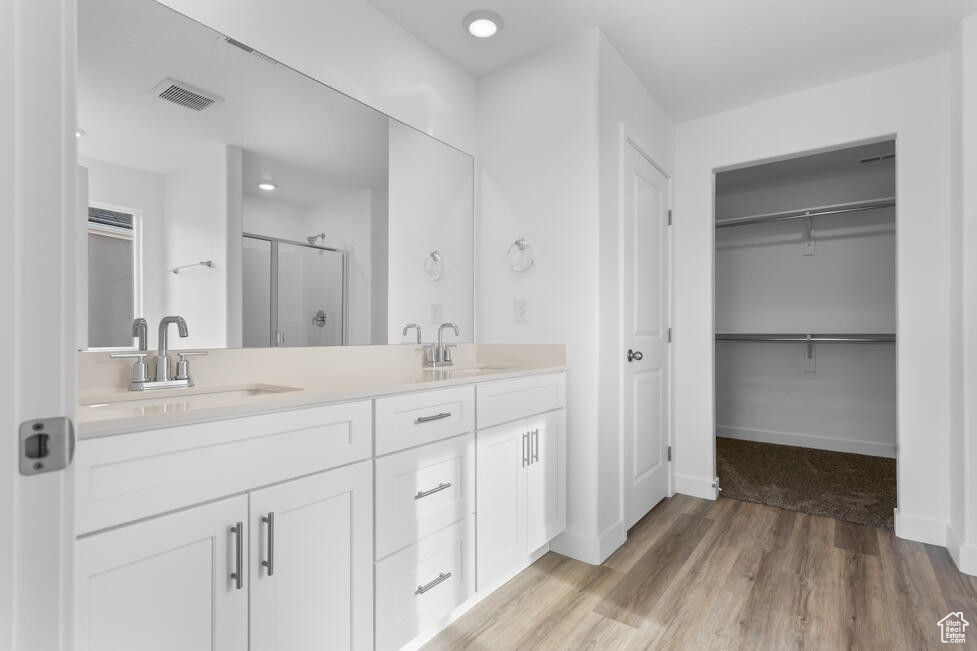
<point>962,530</point>
<point>352,47</point>
<point>430,207</point>
<point>538,157</point>
<point>622,101</point>
<point>911,102</point>
<point>198,218</point>
<point>131,188</point>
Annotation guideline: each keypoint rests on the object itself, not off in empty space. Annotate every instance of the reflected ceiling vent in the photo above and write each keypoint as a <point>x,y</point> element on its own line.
<point>186,95</point>
<point>250,50</point>
<point>876,159</point>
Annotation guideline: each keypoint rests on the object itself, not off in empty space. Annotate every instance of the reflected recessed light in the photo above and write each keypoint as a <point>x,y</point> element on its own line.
<point>482,23</point>
<point>79,133</point>
<point>267,186</point>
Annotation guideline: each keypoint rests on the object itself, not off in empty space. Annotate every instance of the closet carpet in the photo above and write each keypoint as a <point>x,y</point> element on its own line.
<point>850,487</point>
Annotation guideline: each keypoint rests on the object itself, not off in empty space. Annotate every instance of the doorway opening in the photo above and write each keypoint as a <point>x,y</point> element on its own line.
<point>805,324</point>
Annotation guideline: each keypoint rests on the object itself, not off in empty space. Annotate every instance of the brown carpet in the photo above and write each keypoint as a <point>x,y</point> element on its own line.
<point>851,487</point>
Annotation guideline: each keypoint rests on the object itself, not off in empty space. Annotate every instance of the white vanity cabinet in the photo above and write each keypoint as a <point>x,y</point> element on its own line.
<point>166,583</point>
<point>521,477</point>
<point>311,578</point>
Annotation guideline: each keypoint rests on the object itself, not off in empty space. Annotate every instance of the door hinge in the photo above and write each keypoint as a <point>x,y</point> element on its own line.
<point>669,453</point>
<point>669,216</point>
<point>669,335</point>
<point>46,445</point>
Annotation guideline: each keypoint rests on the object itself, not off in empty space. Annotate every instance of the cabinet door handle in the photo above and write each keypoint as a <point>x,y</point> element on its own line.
<point>535,445</point>
<point>437,489</point>
<point>420,420</point>
<point>442,577</point>
<point>525,449</point>
<point>269,520</point>
<point>238,574</point>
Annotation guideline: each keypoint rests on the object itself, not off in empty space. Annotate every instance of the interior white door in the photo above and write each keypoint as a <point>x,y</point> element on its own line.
<point>166,583</point>
<point>546,479</point>
<point>37,256</point>
<point>645,320</point>
<point>501,457</point>
<point>312,562</point>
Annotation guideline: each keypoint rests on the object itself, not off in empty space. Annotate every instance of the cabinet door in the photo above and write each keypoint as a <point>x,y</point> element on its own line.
<point>165,583</point>
<point>312,562</point>
<point>546,479</point>
<point>501,502</point>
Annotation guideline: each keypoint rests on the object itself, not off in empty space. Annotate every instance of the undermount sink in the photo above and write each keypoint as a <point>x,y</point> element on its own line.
<point>163,401</point>
<point>451,372</point>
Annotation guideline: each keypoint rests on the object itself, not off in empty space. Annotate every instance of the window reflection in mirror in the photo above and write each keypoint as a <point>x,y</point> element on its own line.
<point>318,213</point>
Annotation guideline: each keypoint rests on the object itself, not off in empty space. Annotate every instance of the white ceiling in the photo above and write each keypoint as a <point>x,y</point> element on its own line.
<point>702,56</point>
<point>314,142</point>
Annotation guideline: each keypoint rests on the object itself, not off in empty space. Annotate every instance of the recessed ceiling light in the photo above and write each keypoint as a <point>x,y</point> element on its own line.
<point>267,186</point>
<point>483,23</point>
<point>79,133</point>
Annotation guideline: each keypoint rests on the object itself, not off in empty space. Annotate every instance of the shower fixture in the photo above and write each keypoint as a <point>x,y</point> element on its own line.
<point>312,239</point>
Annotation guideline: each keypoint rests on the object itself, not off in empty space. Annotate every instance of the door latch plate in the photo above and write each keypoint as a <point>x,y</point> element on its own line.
<point>46,445</point>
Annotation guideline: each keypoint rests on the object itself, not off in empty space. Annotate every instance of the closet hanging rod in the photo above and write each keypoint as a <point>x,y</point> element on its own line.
<point>884,338</point>
<point>788,215</point>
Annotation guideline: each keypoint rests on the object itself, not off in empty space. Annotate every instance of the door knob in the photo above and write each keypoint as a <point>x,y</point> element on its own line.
<point>635,355</point>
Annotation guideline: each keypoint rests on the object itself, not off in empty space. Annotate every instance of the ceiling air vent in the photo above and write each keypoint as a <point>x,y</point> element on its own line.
<point>876,159</point>
<point>186,95</point>
<point>250,50</point>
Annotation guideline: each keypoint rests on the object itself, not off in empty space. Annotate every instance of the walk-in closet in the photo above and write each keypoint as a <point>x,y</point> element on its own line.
<point>805,322</point>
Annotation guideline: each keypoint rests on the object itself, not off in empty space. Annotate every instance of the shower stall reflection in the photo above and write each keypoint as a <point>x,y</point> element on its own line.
<point>294,293</point>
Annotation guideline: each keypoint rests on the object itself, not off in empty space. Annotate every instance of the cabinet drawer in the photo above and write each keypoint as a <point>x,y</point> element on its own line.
<point>422,490</point>
<point>124,478</point>
<point>419,418</point>
<point>508,400</point>
<point>420,585</point>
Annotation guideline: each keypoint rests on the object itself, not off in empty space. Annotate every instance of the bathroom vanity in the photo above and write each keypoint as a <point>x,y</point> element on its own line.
<point>324,510</point>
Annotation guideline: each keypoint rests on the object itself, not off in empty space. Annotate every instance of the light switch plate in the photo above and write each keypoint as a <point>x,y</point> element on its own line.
<point>520,311</point>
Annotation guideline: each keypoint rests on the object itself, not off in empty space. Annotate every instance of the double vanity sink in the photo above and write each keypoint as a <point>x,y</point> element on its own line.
<point>353,500</point>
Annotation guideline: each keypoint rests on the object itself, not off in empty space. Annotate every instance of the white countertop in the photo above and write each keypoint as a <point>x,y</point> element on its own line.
<point>106,413</point>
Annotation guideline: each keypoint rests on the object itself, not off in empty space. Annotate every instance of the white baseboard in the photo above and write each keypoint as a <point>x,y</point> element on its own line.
<point>870,448</point>
<point>964,555</point>
<point>578,546</point>
<point>611,538</point>
<point>696,486</point>
<point>924,530</point>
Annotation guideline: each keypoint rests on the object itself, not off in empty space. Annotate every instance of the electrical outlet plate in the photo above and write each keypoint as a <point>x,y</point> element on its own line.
<point>520,311</point>
<point>437,313</point>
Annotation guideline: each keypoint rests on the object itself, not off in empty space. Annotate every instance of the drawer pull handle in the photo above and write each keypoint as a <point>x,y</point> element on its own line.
<point>437,489</point>
<point>238,574</point>
<point>420,420</point>
<point>270,563</point>
<point>444,576</point>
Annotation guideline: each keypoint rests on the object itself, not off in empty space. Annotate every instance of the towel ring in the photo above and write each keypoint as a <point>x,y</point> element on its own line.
<point>521,255</point>
<point>433,265</point>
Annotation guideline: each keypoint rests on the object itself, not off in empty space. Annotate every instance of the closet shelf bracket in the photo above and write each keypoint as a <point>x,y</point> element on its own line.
<point>808,236</point>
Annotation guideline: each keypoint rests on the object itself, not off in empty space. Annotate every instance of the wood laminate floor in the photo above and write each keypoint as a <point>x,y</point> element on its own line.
<point>698,574</point>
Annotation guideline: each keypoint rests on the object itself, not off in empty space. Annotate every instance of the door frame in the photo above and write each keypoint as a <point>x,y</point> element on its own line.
<point>38,168</point>
<point>626,138</point>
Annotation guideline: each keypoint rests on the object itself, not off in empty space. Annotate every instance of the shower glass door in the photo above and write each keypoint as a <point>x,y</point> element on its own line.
<point>310,296</point>
<point>294,294</point>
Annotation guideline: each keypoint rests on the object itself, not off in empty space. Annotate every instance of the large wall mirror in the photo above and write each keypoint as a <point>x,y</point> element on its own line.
<point>265,208</point>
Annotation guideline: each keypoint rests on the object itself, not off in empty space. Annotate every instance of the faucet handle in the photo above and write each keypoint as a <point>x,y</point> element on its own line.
<point>183,365</point>
<point>127,355</point>
<point>140,371</point>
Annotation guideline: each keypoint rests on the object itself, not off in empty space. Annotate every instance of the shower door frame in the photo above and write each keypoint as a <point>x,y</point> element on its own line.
<point>273,288</point>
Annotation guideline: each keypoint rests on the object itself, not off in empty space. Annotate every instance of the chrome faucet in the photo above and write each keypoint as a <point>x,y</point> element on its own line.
<point>164,380</point>
<point>162,352</point>
<point>415,327</point>
<point>439,355</point>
